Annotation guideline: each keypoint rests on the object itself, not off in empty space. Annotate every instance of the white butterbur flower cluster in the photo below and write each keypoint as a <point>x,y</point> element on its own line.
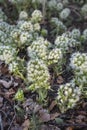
<point>41,40</point>
<point>84,10</point>
<point>65,2</point>
<point>59,6</point>
<point>13,66</point>
<point>68,95</point>
<point>76,33</point>
<point>38,74</point>
<point>5,30</point>
<point>78,61</point>
<point>25,26</point>
<point>26,30</point>
<point>36,49</point>
<point>52,4</point>
<point>36,16</point>
<point>37,27</point>
<point>64,14</point>
<point>55,56</point>
<point>7,54</point>
<point>21,37</point>
<point>23,15</point>
<point>65,43</point>
<point>60,27</point>
<point>25,37</point>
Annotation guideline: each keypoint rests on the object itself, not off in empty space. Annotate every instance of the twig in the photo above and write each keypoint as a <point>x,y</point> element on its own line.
<point>1,124</point>
<point>68,125</point>
<point>12,122</point>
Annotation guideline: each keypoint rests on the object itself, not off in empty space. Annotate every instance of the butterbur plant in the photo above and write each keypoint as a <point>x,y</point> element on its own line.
<point>38,76</point>
<point>17,68</point>
<point>64,42</point>
<point>78,63</point>
<point>7,54</point>
<point>76,33</point>
<point>36,49</point>
<point>36,16</point>
<point>84,10</point>
<point>64,14</point>
<point>19,96</point>
<point>68,95</point>
<point>38,72</point>
<point>55,56</point>
<point>57,26</point>
<point>42,45</point>
<point>26,29</point>
<point>23,15</point>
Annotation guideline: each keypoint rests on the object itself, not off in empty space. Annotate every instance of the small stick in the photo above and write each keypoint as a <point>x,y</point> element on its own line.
<point>1,124</point>
<point>11,122</point>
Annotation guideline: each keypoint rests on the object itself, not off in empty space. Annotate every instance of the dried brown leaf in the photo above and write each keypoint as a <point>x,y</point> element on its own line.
<point>6,84</point>
<point>54,115</point>
<point>69,128</point>
<point>37,108</point>
<point>60,80</point>
<point>44,116</point>
<point>52,105</point>
<point>26,125</point>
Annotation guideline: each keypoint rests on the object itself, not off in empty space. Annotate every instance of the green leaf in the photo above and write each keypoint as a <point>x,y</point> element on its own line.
<point>59,120</point>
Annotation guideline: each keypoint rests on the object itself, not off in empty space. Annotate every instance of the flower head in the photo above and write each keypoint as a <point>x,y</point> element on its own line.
<point>64,14</point>
<point>68,95</point>
<point>36,16</point>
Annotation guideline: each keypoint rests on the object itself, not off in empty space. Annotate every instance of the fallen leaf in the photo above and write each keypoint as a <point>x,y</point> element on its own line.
<point>37,108</point>
<point>60,80</point>
<point>54,115</point>
<point>3,68</point>
<point>80,118</point>
<point>69,128</point>
<point>26,125</point>
<point>6,84</point>
<point>59,120</point>
<point>82,113</point>
<point>53,104</point>
<point>44,116</point>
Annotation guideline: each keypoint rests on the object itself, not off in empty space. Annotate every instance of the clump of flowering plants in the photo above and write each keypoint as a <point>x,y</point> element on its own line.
<point>68,95</point>
<point>78,63</point>
<point>29,35</point>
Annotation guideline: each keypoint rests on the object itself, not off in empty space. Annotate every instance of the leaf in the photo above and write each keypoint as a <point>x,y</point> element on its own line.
<point>44,116</point>
<point>59,120</point>
<point>6,84</point>
<point>26,125</point>
<point>54,115</point>
<point>69,128</point>
<point>53,104</point>
<point>37,108</point>
<point>60,80</point>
